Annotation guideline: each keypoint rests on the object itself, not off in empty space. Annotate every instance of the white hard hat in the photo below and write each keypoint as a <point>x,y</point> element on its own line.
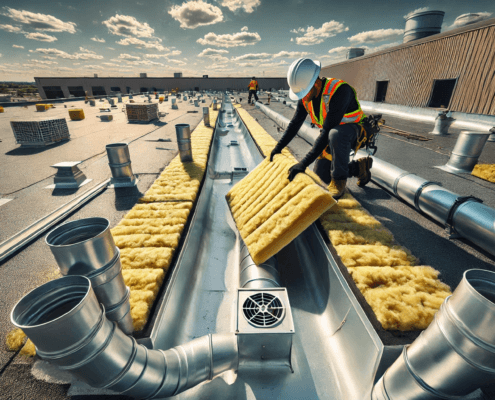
<point>302,76</point>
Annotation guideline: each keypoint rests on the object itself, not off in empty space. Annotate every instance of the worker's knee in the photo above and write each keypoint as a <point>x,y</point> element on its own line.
<point>333,137</point>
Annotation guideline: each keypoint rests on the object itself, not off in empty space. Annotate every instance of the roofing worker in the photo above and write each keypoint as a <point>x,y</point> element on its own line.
<point>253,88</point>
<point>334,108</point>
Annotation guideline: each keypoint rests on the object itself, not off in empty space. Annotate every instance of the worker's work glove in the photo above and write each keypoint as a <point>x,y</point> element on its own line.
<point>295,169</point>
<point>274,152</point>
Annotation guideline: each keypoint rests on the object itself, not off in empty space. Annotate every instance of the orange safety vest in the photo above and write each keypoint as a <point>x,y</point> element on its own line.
<point>253,85</point>
<point>329,88</point>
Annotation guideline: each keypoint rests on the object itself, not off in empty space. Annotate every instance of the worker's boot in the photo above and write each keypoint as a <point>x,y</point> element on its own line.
<point>364,173</point>
<point>337,188</point>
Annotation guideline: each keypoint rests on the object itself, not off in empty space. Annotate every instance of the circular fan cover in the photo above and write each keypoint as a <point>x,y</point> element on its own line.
<point>263,310</point>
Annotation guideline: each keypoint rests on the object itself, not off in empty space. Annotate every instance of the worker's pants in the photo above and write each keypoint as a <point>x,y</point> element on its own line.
<point>341,139</point>
<point>251,93</point>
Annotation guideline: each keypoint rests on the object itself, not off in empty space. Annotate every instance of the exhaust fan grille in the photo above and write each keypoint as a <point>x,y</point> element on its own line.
<point>263,310</point>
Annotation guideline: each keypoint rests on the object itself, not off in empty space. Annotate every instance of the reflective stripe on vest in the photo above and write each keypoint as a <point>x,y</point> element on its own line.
<point>252,85</point>
<point>329,89</point>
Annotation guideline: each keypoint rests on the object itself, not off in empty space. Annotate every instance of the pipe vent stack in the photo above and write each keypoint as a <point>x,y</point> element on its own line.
<point>422,24</point>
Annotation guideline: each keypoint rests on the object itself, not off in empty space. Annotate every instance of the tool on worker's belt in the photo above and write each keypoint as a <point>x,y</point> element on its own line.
<point>368,132</point>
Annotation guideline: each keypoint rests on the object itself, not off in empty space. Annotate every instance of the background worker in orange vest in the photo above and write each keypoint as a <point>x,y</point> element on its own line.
<point>253,88</point>
<point>334,108</point>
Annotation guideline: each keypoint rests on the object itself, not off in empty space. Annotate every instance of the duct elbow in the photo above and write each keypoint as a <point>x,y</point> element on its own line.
<point>195,362</point>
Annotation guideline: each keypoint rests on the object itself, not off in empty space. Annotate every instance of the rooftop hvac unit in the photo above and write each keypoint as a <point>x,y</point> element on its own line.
<point>422,24</point>
<point>40,132</point>
<point>177,74</point>
<point>143,75</point>
<point>264,328</point>
<point>144,112</point>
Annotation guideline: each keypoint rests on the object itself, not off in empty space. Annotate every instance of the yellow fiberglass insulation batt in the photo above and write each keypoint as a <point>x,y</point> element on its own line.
<point>485,171</point>
<point>270,211</point>
<point>149,234</point>
<point>402,296</point>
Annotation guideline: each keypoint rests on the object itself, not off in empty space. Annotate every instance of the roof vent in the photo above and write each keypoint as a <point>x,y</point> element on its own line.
<point>263,310</point>
<point>422,24</point>
<point>355,52</point>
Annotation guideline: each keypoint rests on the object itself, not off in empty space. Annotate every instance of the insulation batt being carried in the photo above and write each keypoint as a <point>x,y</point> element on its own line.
<point>270,211</point>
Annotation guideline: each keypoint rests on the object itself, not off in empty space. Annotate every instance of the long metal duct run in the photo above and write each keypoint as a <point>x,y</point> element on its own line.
<point>69,329</point>
<point>455,355</point>
<point>465,215</point>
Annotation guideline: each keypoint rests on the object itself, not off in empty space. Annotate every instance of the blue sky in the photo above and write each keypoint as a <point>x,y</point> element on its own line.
<point>214,37</point>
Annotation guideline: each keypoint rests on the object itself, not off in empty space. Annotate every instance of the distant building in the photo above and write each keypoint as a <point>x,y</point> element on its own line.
<point>177,74</point>
<point>453,70</point>
<point>61,87</point>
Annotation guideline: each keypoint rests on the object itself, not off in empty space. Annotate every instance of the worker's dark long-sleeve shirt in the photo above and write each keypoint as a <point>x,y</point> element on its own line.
<point>343,101</point>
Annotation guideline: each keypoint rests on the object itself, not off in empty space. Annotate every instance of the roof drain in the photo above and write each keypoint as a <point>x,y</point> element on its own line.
<point>455,355</point>
<point>97,352</point>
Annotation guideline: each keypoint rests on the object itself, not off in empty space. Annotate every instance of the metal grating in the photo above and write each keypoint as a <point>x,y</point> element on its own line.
<point>142,112</point>
<point>263,310</point>
<point>42,132</point>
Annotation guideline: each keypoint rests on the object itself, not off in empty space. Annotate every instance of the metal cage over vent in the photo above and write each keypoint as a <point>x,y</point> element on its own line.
<point>263,310</point>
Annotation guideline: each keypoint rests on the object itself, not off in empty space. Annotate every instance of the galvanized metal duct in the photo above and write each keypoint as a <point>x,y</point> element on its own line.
<point>455,355</point>
<point>464,214</point>
<point>253,276</point>
<point>69,329</point>
<point>306,132</point>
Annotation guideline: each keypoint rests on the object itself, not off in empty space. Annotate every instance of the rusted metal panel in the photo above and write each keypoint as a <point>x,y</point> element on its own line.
<point>466,54</point>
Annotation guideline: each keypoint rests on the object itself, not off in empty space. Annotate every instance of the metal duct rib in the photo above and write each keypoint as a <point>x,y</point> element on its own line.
<point>97,352</point>
<point>470,219</point>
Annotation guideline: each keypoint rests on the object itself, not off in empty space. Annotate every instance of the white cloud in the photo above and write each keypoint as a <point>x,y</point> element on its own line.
<point>172,53</point>
<point>86,50</point>
<point>247,5</point>
<point>110,48</point>
<point>44,62</point>
<point>10,28</point>
<point>228,40</point>
<point>17,47</point>
<point>298,30</point>
<point>281,63</point>
<point>75,56</point>
<point>291,54</point>
<point>42,37</point>
<point>126,56</point>
<point>177,62</point>
<point>125,25</point>
<point>253,57</point>
<point>196,13</point>
<point>244,29</point>
<point>421,9</point>
<point>318,35</point>
<point>247,64</point>
<point>40,22</point>
<point>338,50</point>
<point>212,52</point>
<point>140,44</point>
<point>378,35</point>
<point>95,39</point>
<point>47,57</point>
<point>110,64</point>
